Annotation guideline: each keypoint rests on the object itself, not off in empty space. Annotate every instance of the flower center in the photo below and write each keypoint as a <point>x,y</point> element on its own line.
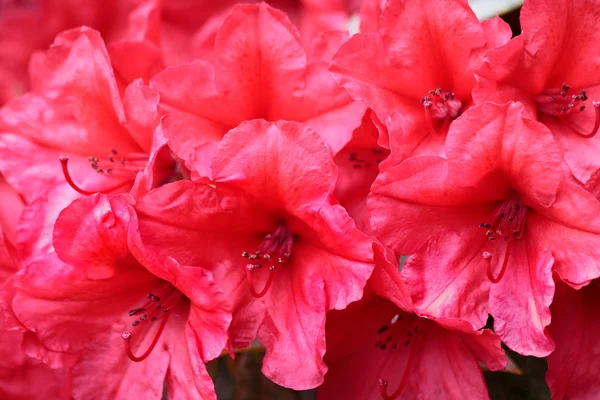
<point>155,309</point>
<point>366,158</point>
<point>559,103</point>
<point>123,167</point>
<point>274,250</point>
<point>507,224</point>
<point>440,109</point>
<point>399,335</point>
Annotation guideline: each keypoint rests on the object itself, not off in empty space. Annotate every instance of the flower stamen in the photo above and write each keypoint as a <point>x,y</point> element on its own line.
<point>558,102</point>
<point>440,106</point>
<point>411,342</point>
<point>152,310</point>
<point>508,225</point>
<point>274,250</point>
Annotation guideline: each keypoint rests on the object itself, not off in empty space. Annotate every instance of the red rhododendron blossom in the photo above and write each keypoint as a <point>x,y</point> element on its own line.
<point>392,353</point>
<point>379,351</point>
<point>267,229</point>
<point>574,367</point>
<point>76,114</point>
<point>416,72</point>
<point>553,70</point>
<point>260,71</point>
<point>100,312</point>
<point>486,227</point>
<point>358,164</point>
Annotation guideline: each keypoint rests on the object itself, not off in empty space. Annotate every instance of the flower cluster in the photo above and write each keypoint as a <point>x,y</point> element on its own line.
<point>380,211</point>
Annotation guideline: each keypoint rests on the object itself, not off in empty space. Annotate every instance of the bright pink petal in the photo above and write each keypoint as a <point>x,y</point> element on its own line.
<point>22,378</point>
<point>210,312</point>
<point>574,366</point>
<point>420,46</point>
<point>10,210</point>
<point>329,273</point>
<point>447,278</point>
<point>265,160</point>
<point>181,217</point>
<point>442,363</point>
<point>91,235</point>
<point>562,52</point>
<point>386,280</point>
<point>266,44</point>
<point>143,117</point>
<point>520,302</point>
<point>118,376</point>
<point>138,54</point>
<point>34,232</point>
<point>570,230</point>
<point>415,201</point>
<point>77,70</point>
<point>358,167</point>
<point>497,139</point>
<point>376,83</point>
<point>53,295</point>
<point>260,71</point>
<point>447,34</point>
<point>186,366</point>
<point>487,348</point>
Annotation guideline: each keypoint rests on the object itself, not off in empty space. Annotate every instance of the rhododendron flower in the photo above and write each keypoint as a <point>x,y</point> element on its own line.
<point>76,114</point>
<point>552,69</point>
<point>379,351</point>
<point>99,306</point>
<point>416,72</point>
<point>487,227</point>
<point>392,353</point>
<point>268,230</point>
<point>574,366</point>
<point>260,71</point>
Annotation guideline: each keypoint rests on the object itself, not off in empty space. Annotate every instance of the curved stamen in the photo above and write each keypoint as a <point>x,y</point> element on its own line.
<point>428,117</point>
<point>63,161</point>
<point>596,123</point>
<point>490,273</point>
<point>249,269</point>
<point>383,384</point>
<point>127,342</point>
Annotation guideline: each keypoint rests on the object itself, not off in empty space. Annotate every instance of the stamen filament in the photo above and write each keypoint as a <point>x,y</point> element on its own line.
<point>383,384</point>
<point>429,119</point>
<point>490,273</point>
<point>596,124</point>
<point>249,269</point>
<point>127,342</point>
<point>63,161</point>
